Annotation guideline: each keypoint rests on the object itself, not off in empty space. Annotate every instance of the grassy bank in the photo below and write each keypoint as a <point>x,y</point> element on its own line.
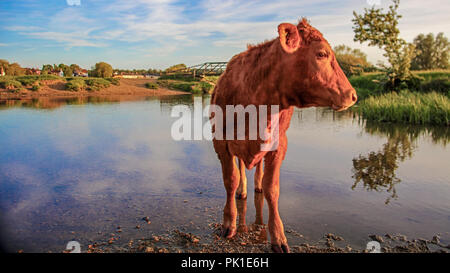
<point>409,107</point>
<point>428,103</point>
<point>35,82</point>
<point>188,84</point>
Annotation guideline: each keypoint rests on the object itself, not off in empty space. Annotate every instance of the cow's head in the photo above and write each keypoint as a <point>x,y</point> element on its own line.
<point>314,77</point>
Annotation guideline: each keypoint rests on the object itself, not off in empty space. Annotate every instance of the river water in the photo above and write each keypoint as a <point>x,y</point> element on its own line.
<point>76,169</point>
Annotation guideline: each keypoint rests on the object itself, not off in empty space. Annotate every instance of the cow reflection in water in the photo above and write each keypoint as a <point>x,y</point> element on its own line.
<point>377,170</point>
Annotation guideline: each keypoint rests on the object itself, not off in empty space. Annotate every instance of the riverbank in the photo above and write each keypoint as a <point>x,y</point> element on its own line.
<point>428,102</point>
<point>57,88</point>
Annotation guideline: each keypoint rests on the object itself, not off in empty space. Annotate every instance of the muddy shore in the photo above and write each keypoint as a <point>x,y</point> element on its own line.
<point>56,88</point>
<point>255,240</point>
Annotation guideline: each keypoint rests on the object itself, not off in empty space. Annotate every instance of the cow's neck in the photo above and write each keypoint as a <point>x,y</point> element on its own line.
<point>267,78</point>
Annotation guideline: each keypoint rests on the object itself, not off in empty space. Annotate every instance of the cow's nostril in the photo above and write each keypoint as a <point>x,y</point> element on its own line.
<point>354,97</point>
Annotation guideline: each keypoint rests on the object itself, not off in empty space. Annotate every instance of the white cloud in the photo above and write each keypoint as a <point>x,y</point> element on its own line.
<point>73,39</point>
<point>164,28</point>
<point>22,28</point>
<point>73,2</point>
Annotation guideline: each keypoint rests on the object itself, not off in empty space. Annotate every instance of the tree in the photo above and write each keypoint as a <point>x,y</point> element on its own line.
<point>431,52</point>
<point>4,64</point>
<point>14,69</point>
<point>46,68</point>
<point>381,29</point>
<point>102,70</point>
<point>75,67</point>
<point>176,67</point>
<point>352,61</point>
<point>67,71</point>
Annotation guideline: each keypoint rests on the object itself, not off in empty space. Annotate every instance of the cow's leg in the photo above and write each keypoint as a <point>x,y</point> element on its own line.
<point>242,189</point>
<point>259,197</point>
<point>271,189</point>
<point>231,176</point>
<point>241,197</point>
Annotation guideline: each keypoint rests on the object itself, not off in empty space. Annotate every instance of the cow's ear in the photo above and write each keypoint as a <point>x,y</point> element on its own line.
<point>289,37</point>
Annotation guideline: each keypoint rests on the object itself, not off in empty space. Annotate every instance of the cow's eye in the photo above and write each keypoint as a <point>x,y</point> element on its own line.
<point>322,55</point>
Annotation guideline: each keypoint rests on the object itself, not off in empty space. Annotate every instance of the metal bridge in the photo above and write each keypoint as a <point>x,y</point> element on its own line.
<point>204,69</point>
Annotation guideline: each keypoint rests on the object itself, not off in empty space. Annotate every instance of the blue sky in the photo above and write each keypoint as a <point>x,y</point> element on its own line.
<point>159,33</point>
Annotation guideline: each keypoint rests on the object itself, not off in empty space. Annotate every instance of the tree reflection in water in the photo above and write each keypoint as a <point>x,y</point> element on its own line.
<point>377,170</point>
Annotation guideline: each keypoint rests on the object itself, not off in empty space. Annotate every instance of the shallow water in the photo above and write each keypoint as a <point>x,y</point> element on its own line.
<point>76,169</point>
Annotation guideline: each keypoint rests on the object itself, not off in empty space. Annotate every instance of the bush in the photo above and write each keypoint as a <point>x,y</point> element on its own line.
<point>151,85</point>
<point>113,81</point>
<point>35,87</point>
<point>95,84</point>
<point>75,85</point>
<point>181,86</point>
<point>206,87</point>
<point>425,82</point>
<point>27,80</point>
<point>10,83</point>
<point>440,85</point>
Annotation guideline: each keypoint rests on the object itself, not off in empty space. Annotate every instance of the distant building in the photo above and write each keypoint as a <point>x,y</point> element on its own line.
<point>32,71</point>
<point>2,71</point>
<point>81,73</point>
<point>57,72</point>
<point>129,76</point>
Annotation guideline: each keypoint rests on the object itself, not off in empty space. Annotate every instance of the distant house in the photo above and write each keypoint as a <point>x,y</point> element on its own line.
<point>57,72</point>
<point>32,71</point>
<point>152,76</point>
<point>81,73</point>
<point>129,76</point>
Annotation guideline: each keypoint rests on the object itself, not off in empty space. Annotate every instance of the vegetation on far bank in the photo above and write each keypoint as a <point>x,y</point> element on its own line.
<point>425,102</point>
<point>408,107</point>
<point>188,83</point>
<point>35,82</point>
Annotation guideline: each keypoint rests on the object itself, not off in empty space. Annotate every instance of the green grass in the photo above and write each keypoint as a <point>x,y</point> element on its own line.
<point>75,85</point>
<point>178,77</point>
<point>407,107</point>
<point>151,85</point>
<point>10,84</point>
<point>428,103</point>
<point>34,82</point>
<point>372,84</point>
<point>95,84</point>
<point>113,81</point>
<point>89,84</point>
<point>192,86</point>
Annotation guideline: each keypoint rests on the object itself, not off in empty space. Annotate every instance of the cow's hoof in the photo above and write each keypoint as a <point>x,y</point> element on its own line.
<point>242,228</point>
<point>228,232</point>
<point>284,248</point>
<point>241,196</point>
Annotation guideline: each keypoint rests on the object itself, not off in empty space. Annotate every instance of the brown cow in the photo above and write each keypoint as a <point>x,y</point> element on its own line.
<point>296,69</point>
